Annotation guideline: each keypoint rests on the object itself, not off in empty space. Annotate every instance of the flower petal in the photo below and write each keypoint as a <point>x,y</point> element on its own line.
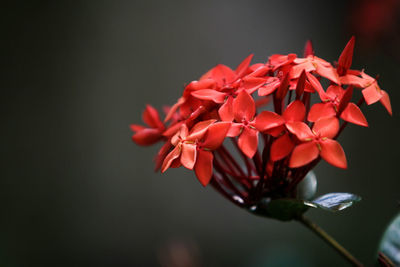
<point>204,166</point>
<point>147,136</point>
<point>202,84</point>
<point>162,153</point>
<point>353,114</point>
<point>329,73</point>
<point>271,84</point>
<point>317,86</point>
<point>301,82</point>
<point>303,154</point>
<point>345,98</point>
<point>333,153</point>
<point>295,111</point>
<point>372,94</point>
<point>209,94</point>
<point>268,120</point>
<point>199,129</point>
<point>248,141</point>
<point>353,80</point>
<point>321,110</point>
<point>385,100</point>
<point>235,129</point>
<point>306,66</point>
<point>327,127</point>
<point>225,112</point>
<point>244,107</point>
<point>251,84</point>
<point>243,66</point>
<point>308,49</point>
<point>281,147</point>
<point>174,154</point>
<point>301,130</point>
<point>136,128</point>
<point>188,155</point>
<point>346,57</point>
<point>223,74</point>
<point>216,134</point>
<point>150,117</point>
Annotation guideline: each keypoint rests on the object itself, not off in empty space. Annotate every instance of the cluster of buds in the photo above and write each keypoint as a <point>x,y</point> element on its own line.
<point>265,109</point>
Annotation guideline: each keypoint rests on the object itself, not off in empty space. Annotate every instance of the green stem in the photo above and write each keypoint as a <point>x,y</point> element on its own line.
<point>328,239</point>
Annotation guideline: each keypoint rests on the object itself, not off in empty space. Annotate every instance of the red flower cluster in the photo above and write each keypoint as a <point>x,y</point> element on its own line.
<point>228,104</point>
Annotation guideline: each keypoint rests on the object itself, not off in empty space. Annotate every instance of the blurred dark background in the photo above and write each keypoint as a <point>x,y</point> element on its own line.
<point>74,189</point>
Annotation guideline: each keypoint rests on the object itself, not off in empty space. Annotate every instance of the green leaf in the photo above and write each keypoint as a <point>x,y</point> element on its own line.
<point>335,201</point>
<point>286,209</point>
<point>283,209</point>
<point>390,243</point>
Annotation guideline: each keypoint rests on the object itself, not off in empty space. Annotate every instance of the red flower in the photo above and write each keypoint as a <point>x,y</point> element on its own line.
<point>193,149</point>
<point>317,142</point>
<point>330,107</point>
<point>146,136</point>
<point>373,93</point>
<point>275,143</point>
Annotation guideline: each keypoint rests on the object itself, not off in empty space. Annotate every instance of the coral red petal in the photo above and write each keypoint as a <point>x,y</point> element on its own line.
<point>301,130</point>
<point>345,99</point>
<point>300,85</point>
<point>296,71</point>
<point>372,94</point>
<point>385,100</point>
<point>283,87</point>
<point>271,84</point>
<point>346,57</point>
<point>317,86</point>
<point>136,127</point>
<point>216,134</point>
<point>147,136</point>
<point>308,49</point>
<point>222,74</point>
<point>162,153</point>
<point>243,66</point>
<point>332,152</point>
<point>248,141</point>
<point>303,154</point>
<point>277,131</point>
<point>353,114</point>
<point>199,130</point>
<point>268,120</point>
<point>209,94</point>
<point>188,155</point>
<point>204,167</point>
<point>281,147</point>
<point>251,84</point>
<point>327,127</point>
<point>329,73</point>
<point>234,130</point>
<point>172,129</point>
<point>225,112</point>
<point>353,80</point>
<point>150,117</point>
<point>321,110</point>
<point>174,154</point>
<point>198,85</point>
<point>244,107</point>
<point>295,111</point>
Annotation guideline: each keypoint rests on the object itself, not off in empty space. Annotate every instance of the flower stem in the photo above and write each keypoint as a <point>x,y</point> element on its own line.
<point>332,242</point>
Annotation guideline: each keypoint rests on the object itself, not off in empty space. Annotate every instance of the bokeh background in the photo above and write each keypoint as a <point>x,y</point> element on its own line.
<point>74,189</point>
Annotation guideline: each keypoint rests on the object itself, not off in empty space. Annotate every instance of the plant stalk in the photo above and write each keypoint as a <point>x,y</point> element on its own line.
<point>328,239</point>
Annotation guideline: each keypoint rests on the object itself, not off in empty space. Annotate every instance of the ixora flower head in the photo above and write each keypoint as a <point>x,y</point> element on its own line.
<point>253,133</point>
